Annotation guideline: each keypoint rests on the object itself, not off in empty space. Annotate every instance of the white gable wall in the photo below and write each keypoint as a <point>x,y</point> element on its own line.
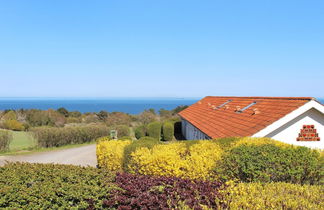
<point>289,132</point>
<point>190,132</point>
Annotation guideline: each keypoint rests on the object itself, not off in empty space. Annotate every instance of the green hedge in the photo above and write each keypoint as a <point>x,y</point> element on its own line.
<point>271,163</point>
<point>168,131</point>
<point>5,139</point>
<point>140,132</point>
<point>49,186</point>
<point>54,137</point>
<point>154,130</point>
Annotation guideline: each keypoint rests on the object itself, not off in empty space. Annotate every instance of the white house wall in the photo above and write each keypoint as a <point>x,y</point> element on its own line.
<point>288,132</point>
<point>190,132</point>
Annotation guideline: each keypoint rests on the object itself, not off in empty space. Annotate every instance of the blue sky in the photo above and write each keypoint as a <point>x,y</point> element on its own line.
<point>161,48</point>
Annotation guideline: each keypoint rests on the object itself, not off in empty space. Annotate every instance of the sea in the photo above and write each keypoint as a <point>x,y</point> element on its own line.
<point>127,105</point>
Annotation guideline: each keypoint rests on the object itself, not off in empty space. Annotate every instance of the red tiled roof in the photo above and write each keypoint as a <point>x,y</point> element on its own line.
<point>225,122</point>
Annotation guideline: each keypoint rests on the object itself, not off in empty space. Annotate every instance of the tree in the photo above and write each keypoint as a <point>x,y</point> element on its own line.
<point>165,113</point>
<point>146,117</point>
<point>118,118</point>
<point>102,115</point>
<point>75,114</point>
<point>14,125</point>
<point>179,109</point>
<point>10,115</point>
<point>63,111</point>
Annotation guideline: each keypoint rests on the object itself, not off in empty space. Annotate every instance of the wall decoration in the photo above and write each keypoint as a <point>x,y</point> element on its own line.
<point>308,133</point>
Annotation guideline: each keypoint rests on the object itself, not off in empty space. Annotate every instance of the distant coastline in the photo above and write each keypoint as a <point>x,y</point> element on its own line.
<point>127,105</point>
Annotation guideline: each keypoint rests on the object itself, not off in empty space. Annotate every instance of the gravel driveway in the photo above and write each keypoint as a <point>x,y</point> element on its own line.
<point>83,156</point>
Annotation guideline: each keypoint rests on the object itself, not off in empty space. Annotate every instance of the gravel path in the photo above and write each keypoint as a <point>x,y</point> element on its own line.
<point>83,156</point>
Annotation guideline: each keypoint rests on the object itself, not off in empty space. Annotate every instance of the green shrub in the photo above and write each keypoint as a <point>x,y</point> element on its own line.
<point>49,186</point>
<point>54,137</point>
<point>140,132</point>
<point>14,125</point>
<point>226,143</point>
<point>122,130</point>
<point>154,130</point>
<point>271,163</point>
<point>10,115</point>
<point>168,131</point>
<point>261,196</point>
<point>5,139</point>
<point>147,142</point>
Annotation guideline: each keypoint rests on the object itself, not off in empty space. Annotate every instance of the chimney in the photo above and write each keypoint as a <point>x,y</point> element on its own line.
<point>237,109</point>
<point>226,107</point>
<point>256,111</point>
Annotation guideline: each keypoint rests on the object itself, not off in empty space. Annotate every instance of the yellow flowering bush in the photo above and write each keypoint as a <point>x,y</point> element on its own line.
<point>177,159</point>
<point>274,196</point>
<point>110,153</point>
<point>259,141</point>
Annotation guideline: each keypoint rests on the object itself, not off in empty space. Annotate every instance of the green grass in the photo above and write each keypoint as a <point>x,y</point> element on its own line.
<point>22,141</point>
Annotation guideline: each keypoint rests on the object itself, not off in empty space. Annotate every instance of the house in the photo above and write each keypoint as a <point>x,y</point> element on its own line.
<point>293,120</point>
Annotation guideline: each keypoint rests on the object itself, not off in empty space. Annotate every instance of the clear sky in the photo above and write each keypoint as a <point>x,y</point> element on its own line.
<point>166,48</point>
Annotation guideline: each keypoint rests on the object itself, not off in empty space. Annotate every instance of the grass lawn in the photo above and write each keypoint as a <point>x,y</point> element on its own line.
<point>22,141</point>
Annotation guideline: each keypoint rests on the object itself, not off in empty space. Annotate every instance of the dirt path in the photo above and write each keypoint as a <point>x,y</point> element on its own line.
<point>83,156</point>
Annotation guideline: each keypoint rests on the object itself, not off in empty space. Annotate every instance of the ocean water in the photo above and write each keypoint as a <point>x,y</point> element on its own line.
<point>127,105</point>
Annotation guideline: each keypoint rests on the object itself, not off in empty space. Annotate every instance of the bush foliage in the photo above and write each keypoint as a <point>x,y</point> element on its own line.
<point>149,192</point>
<point>168,131</point>
<point>122,130</point>
<point>274,196</point>
<point>5,139</point>
<point>14,125</point>
<point>177,159</point>
<point>140,132</point>
<point>54,137</point>
<point>271,163</point>
<point>154,130</point>
<point>49,186</point>
<point>110,154</point>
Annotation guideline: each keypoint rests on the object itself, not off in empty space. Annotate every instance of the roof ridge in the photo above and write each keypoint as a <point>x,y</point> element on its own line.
<point>264,97</point>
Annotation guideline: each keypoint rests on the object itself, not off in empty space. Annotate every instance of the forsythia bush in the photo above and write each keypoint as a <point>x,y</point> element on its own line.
<point>110,154</point>
<point>177,159</point>
<point>259,141</point>
<point>274,196</point>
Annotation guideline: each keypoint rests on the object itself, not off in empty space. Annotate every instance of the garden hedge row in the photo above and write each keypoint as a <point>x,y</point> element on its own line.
<point>245,159</point>
<point>52,186</point>
<point>54,137</point>
<point>271,163</point>
<point>49,186</point>
<point>5,139</point>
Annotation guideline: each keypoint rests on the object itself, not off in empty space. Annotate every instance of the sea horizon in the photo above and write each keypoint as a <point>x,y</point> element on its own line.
<point>131,105</point>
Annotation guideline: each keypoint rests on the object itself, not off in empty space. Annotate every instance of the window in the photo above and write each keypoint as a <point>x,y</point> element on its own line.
<point>245,108</point>
<point>220,106</point>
